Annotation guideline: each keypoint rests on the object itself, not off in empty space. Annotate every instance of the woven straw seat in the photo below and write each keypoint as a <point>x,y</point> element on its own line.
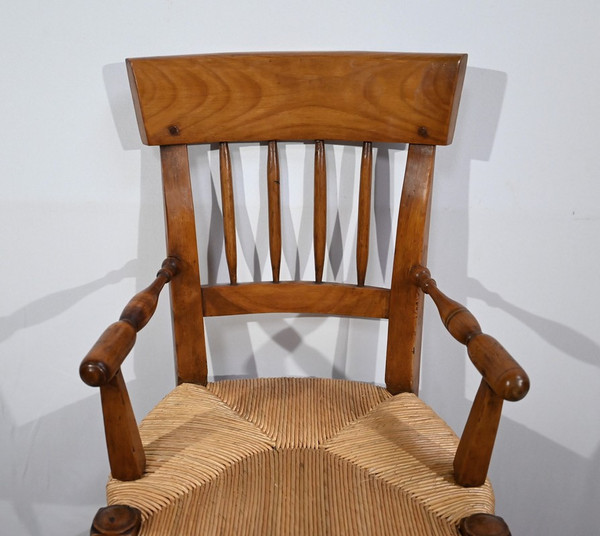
<point>292,456</point>
<point>297,456</point>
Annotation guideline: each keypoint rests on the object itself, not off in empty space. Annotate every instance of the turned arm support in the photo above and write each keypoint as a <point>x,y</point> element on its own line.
<point>499,369</point>
<point>101,367</point>
<point>502,379</point>
<point>103,361</point>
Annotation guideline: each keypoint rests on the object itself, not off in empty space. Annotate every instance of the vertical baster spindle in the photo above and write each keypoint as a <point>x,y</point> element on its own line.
<point>320,210</point>
<point>228,211</point>
<point>274,209</point>
<point>364,212</point>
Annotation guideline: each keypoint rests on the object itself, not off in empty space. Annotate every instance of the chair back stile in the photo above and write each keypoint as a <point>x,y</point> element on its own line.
<point>186,297</point>
<point>366,97</point>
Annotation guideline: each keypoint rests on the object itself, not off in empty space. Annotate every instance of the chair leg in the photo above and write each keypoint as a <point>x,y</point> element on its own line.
<point>116,520</point>
<point>483,525</point>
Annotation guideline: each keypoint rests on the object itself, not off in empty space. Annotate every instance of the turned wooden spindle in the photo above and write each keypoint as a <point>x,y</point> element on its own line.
<point>500,370</point>
<point>364,212</point>
<point>101,367</point>
<point>274,209</point>
<point>320,215</point>
<point>104,359</point>
<point>503,379</point>
<point>228,211</point>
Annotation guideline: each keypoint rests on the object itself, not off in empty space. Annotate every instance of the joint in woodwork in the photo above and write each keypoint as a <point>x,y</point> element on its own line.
<point>421,276</point>
<point>169,268</point>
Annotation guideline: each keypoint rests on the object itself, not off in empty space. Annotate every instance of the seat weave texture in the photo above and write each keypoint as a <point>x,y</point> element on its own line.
<point>291,456</point>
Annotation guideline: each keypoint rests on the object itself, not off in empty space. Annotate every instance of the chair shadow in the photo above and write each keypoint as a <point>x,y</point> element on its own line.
<point>523,458</point>
<point>46,477</point>
<point>29,479</point>
<point>52,305</point>
<point>564,338</point>
<point>285,335</point>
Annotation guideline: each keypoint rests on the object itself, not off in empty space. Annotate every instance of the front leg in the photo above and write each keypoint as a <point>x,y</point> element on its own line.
<point>116,520</point>
<point>483,525</point>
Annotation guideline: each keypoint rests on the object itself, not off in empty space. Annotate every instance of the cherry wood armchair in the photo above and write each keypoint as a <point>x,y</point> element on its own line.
<point>298,455</point>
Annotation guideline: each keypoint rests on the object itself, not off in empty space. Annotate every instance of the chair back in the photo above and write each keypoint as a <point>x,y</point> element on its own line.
<point>337,97</point>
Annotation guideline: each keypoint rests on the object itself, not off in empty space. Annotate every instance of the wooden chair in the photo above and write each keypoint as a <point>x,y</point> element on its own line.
<point>298,455</point>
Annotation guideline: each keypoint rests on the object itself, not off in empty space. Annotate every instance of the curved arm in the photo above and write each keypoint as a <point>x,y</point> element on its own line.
<point>102,368</point>
<point>503,379</point>
<point>499,369</point>
<point>103,361</point>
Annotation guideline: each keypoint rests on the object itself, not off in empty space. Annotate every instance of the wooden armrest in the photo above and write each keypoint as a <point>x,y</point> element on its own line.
<point>503,379</point>
<point>499,369</point>
<point>103,361</point>
<point>102,368</point>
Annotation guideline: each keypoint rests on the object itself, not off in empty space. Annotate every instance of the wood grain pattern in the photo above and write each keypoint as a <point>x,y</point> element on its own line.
<point>378,97</point>
<point>503,379</point>
<point>364,212</point>
<point>186,299</point>
<point>320,209</point>
<point>296,296</point>
<point>391,97</point>
<point>101,367</point>
<point>106,356</point>
<point>406,302</point>
<point>499,369</point>
<point>474,451</point>
<point>274,209</point>
<point>125,450</point>
<point>228,211</point>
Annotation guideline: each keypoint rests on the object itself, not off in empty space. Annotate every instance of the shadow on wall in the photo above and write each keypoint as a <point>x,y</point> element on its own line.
<point>563,338</point>
<point>547,474</point>
<point>542,488</point>
<point>54,304</point>
<point>478,119</point>
<point>516,482</point>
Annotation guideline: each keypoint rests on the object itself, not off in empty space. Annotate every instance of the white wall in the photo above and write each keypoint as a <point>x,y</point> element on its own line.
<point>515,217</point>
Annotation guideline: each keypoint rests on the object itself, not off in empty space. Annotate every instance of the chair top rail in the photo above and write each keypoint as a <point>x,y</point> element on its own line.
<point>346,96</point>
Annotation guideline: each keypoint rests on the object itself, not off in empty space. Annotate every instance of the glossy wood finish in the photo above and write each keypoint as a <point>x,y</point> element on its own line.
<point>406,303</point>
<point>503,379</point>
<point>474,452</point>
<point>186,299</point>
<point>367,97</point>
<point>405,98</point>
<point>320,210</point>
<point>483,525</point>
<point>298,297</point>
<point>274,209</point>
<point>364,212</point>
<point>104,359</point>
<point>228,211</point>
<point>499,369</point>
<point>101,367</point>
<point>117,520</point>
<point>125,451</point>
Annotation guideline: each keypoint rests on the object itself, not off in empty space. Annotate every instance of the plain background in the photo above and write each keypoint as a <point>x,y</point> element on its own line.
<point>515,229</point>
